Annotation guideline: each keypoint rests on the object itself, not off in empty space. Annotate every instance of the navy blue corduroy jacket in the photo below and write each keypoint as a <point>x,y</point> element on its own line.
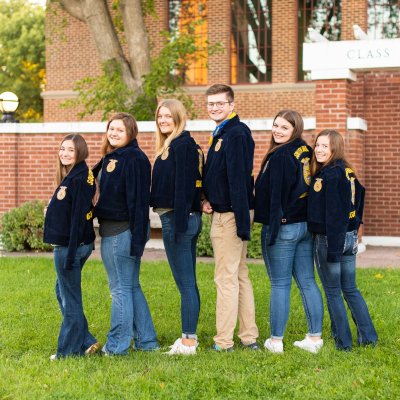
<point>228,174</point>
<point>176,180</point>
<point>335,206</point>
<point>125,192</point>
<point>281,187</point>
<point>69,216</point>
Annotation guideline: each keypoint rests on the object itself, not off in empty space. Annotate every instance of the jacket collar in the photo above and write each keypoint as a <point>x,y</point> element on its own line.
<point>229,124</point>
<point>78,169</point>
<point>131,145</point>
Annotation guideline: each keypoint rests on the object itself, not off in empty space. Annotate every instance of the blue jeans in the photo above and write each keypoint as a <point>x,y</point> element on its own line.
<point>74,337</point>
<point>292,255</point>
<point>181,254</point>
<point>130,314</point>
<point>338,278</point>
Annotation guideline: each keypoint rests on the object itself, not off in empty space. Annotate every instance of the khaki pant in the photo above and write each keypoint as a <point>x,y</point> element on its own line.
<point>234,290</point>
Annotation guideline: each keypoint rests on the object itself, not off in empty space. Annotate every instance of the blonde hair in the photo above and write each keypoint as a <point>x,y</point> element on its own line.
<point>336,144</point>
<point>179,117</point>
<point>131,131</point>
<point>81,154</point>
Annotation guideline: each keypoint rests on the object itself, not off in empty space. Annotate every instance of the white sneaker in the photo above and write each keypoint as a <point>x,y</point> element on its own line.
<point>273,347</point>
<point>307,344</point>
<point>179,348</point>
<point>53,357</point>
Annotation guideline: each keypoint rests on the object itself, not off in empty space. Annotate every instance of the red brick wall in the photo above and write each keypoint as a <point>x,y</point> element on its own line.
<point>353,12</point>
<point>284,41</point>
<point>374,96</point>
<point>382,156</point>
<point>71,55</point>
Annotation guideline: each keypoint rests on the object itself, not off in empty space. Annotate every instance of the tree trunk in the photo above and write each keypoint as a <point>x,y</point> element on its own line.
<point>96,15</point>
<point>136,37</point>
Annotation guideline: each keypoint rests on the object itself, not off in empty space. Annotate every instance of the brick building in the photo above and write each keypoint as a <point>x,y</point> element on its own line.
<point>263,59</point>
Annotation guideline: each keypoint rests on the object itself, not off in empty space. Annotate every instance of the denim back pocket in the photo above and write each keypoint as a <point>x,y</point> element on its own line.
<point>194,224</point>
<point>290,232</point>
<point>351,243</point>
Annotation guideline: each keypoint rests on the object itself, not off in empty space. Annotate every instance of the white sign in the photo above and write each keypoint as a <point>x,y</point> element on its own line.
<point>351,55</point>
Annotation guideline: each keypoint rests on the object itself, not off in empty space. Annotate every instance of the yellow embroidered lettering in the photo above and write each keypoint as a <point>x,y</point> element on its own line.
<point>90,178</point>
<point>300,151</point>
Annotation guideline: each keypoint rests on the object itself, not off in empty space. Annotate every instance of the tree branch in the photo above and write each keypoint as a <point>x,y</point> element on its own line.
<point>74,8</point>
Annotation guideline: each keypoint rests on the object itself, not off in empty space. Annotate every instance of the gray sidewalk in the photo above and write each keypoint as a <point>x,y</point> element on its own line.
<point>372,257</point>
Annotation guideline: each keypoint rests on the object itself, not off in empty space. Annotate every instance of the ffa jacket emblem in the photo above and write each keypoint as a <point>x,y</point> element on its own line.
<point>218,145</point>
<point>318,185</point>
<point>306,170</point>
<point>111,165</point>
<point>62,192</point>
<point>165,154</point>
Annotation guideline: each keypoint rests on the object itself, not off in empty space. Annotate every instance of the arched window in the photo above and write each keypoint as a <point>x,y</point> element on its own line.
<point>322,15</point>
<point>251,56</point>
<point>383,19</point>
<point>190,16</point>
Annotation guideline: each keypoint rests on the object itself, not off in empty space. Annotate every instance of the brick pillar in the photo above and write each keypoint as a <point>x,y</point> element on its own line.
<point>331,104</point>
<point>353,12</point>
<point>284,41</point>
<point>219,30</point>
<point>334,103</point>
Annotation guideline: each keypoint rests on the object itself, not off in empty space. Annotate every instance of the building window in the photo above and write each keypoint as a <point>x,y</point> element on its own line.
<point>322,15</point>
<point>383,19</point>
<point>251,57</point>
<point>190,16</point>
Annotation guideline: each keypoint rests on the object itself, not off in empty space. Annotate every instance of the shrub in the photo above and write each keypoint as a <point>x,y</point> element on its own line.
<point>254,246</point>
<point>22,228</point>
<point>204,246</point>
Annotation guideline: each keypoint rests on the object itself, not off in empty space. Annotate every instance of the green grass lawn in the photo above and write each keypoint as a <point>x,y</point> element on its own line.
<point>30,319</point>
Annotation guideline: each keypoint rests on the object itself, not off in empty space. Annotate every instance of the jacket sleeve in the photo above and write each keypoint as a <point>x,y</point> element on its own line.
<point>137,200</point>
<point>282,172</point>
<point>337,208</point>
<point>236,154</point>
<point>81,203</point>
<point>184,183</point>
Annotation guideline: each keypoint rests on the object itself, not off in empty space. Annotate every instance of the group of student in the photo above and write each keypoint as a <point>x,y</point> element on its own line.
<point>310,204</point>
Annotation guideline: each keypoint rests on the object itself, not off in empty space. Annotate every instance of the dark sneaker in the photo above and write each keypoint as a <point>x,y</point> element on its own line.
<point>216,347</point>
<point>251,346</point>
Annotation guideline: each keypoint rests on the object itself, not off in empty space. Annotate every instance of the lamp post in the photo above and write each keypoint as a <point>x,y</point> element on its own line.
<point>8,104</point>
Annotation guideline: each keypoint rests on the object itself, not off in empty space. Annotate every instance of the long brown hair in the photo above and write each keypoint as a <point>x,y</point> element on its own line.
<point>179,117</point>
<point>336,144</point>
<point>130,126</point>
<point>294,119</point>
<point>81,154</point>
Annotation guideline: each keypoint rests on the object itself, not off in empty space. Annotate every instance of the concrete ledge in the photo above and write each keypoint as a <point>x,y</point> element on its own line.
<point>386,241</point>
<point>357,123</point>
<point>198,125</point>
